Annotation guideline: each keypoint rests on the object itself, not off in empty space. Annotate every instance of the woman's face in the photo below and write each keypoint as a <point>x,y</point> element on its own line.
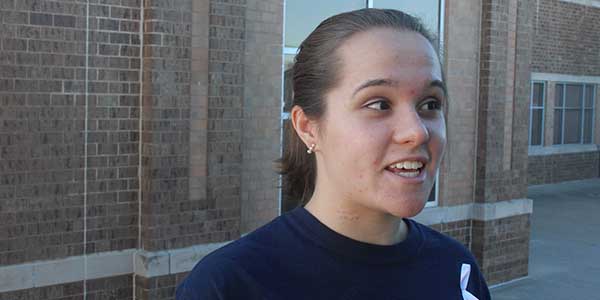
<point>383,134</point>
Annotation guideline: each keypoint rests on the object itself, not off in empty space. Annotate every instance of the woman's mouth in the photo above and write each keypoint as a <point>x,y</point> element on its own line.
<point>408,169</point>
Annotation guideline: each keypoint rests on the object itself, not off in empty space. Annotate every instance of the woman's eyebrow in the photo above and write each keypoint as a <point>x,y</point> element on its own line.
<point>388,82</point>
<point>440,84</point>
<point>375,82</point>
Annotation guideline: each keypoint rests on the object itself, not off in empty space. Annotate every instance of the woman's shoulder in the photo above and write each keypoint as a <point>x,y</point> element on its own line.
<point>224,273</point>
<point>244,248</point>
<point>449,254</point>
<point>441,244</point>
<point>216,276</point>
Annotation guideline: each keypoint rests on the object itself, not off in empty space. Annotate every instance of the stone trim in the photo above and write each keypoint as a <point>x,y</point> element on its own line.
<point>564,78</point>
<point>475,211</point>
<point>593,3</point>
<point>500,210</point>
<point>563,149</point>
<point>152,264</point>
<point>501,284</point>
<point>71,269</point>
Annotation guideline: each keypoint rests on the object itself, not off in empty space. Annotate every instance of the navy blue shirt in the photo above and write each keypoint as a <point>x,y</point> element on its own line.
<point>295,256</point>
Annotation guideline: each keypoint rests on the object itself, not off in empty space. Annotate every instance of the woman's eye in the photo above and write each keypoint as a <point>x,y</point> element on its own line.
<point>379,105</point>
<point>432,105</point>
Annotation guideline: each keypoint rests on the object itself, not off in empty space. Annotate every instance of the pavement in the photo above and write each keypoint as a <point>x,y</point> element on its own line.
<point>564,252</point>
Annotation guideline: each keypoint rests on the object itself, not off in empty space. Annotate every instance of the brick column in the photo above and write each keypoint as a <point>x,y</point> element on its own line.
<point>170,217</point>
<point>165,124</point>
<point>262,112</point>
<point>225,104</point>
<point>461,65</point>
<point>113,125</point>
<point>502,244</point>
<point>192,136</point>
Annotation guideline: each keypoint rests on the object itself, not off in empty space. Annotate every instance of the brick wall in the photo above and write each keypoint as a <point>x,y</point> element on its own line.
<point>501,172</point>
<point>115,288</point>
<point>41,158</point>
<point>197,148</point>
<point>113,124</point>
<point>563,167</point>
<point>158,288</point>
<point>519,129</point>
<point>165,125</point>
<point>225,103</point>
<point>261,111</point>
<point>43,112</point>
<point>566,39</point>
<point>211,83</point>
<point>502,247</point>
<point>460,64</point>
<point>460,231</point>
<point>504,98</point>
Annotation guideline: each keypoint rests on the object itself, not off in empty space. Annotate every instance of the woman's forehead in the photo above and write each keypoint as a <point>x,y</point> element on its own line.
<point>399,56</point>
<point>380,39</point>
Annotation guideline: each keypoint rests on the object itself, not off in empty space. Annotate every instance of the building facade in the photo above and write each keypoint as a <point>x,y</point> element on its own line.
<point>565,66</point>
<point>138,136</point>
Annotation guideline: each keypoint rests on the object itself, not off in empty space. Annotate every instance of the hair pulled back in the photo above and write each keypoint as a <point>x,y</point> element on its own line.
<point>315,72</point>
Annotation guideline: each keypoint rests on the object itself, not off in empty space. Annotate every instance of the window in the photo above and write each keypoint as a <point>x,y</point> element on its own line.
<point>573,113</point>
<point>302,16</point>
<point>536,114</point>
<point>427,11</point>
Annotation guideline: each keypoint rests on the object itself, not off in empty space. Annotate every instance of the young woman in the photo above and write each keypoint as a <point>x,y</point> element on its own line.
<point>367,139</point>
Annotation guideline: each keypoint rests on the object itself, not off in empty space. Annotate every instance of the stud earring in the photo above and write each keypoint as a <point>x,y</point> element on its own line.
<point>310,149</point>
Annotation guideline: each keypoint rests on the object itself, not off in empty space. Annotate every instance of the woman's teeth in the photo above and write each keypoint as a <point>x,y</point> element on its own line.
<point>408,174</point>
<point>407,165</point>
<point>408,169</point>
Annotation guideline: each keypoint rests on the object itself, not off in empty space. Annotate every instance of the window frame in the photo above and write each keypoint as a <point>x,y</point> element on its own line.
<point>592,109</point>
<point>532,107</point>
<point>582,110</point>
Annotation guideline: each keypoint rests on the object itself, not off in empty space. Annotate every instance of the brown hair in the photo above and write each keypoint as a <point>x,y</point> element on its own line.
<point>315,73</point>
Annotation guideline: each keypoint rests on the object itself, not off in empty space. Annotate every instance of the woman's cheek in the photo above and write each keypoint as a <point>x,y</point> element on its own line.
<point>437,131</point>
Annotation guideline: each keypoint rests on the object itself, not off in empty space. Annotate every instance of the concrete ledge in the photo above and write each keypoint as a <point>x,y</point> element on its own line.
<point>151,264</point>
<point>100,265</point>
<point>475,211</point>
<point>563,77</point>
<point>183,260</point>
<point>501,210</point>
<point>497,285</point>
<point>108,264</point>
<point>56,272</point>
<point>593,3</point>
<point>563,149</point>
<point>71,269</point>
<point>444,214</point>
<point>16,277</point>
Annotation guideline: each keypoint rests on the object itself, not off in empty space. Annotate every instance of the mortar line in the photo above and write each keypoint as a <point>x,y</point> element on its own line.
<point>85,146</point>
<point>139,175</point>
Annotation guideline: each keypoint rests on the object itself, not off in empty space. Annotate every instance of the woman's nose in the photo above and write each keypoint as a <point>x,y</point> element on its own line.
<point>410,129</point>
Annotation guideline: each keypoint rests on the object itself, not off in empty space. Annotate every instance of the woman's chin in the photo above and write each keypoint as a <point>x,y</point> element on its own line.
<point>406,208</point>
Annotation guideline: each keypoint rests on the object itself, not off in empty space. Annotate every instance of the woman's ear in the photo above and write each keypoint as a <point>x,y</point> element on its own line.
<point>305,128</point>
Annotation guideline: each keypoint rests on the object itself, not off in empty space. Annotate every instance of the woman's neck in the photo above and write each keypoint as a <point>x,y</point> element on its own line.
<point>357,222</point>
